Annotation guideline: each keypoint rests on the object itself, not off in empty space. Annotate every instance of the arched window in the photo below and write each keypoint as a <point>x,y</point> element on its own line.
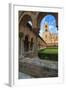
<point>30,22</point>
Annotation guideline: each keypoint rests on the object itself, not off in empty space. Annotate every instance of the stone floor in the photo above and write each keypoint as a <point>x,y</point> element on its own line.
<point>46,67</point>
<point>40,62</point>
<point>24,76</point>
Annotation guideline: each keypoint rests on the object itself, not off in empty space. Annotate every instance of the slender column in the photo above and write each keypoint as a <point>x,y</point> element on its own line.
<point>21,47</point>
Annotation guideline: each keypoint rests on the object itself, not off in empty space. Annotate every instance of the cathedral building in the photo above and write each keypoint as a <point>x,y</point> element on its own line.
<point>50,38</point>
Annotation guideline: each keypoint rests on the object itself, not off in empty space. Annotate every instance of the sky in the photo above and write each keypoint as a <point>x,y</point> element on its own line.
<point>51,21</point>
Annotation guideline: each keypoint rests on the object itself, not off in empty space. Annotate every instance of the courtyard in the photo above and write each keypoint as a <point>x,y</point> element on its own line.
<point>38,44</point>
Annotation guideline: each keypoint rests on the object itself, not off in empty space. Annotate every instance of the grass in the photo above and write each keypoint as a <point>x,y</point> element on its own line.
<point>49,50</point>
<point>50,53</point>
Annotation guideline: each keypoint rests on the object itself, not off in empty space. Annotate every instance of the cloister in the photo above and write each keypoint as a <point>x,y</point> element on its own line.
<point>29,38</point>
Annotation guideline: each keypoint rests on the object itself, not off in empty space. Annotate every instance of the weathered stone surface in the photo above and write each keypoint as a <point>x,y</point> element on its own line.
<point>37,71</point>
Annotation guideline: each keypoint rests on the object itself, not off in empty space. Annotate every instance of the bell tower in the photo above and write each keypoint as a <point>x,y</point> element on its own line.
<point>46,28</point>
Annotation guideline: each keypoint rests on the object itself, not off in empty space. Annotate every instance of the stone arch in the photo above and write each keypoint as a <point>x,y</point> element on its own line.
<point>43,14</point>
<point>28,15</point>
<point>25,19</point>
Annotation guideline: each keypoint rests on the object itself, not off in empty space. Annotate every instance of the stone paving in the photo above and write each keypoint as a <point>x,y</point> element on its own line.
<point>24,76</point>
<point>40,62</point>
<point>35,67</point>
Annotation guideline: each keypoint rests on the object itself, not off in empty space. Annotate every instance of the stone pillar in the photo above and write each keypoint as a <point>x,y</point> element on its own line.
<point>36,30</point>
<point>21,48</point>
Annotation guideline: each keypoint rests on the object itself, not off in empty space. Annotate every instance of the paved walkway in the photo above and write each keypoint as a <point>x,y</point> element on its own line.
<point>24,76</point>
<point>40,62</point>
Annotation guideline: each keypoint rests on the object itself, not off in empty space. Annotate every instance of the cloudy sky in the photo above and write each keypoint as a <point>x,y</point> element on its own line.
<point>50,20</point>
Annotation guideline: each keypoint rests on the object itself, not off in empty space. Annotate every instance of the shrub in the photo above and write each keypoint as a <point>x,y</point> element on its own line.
<point>48,54</point>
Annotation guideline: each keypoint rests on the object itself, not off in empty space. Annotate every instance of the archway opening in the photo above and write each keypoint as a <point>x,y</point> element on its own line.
<point>26,43</point>
<point>50,21</point>
<point>25,25</point>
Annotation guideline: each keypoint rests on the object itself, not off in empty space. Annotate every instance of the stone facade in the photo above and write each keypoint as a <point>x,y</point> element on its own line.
<point>31,41</point>
<point>50,38</point>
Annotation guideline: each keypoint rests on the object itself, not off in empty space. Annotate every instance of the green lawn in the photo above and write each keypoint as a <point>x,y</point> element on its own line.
<point>49,50</point>
<point>50,53</point>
